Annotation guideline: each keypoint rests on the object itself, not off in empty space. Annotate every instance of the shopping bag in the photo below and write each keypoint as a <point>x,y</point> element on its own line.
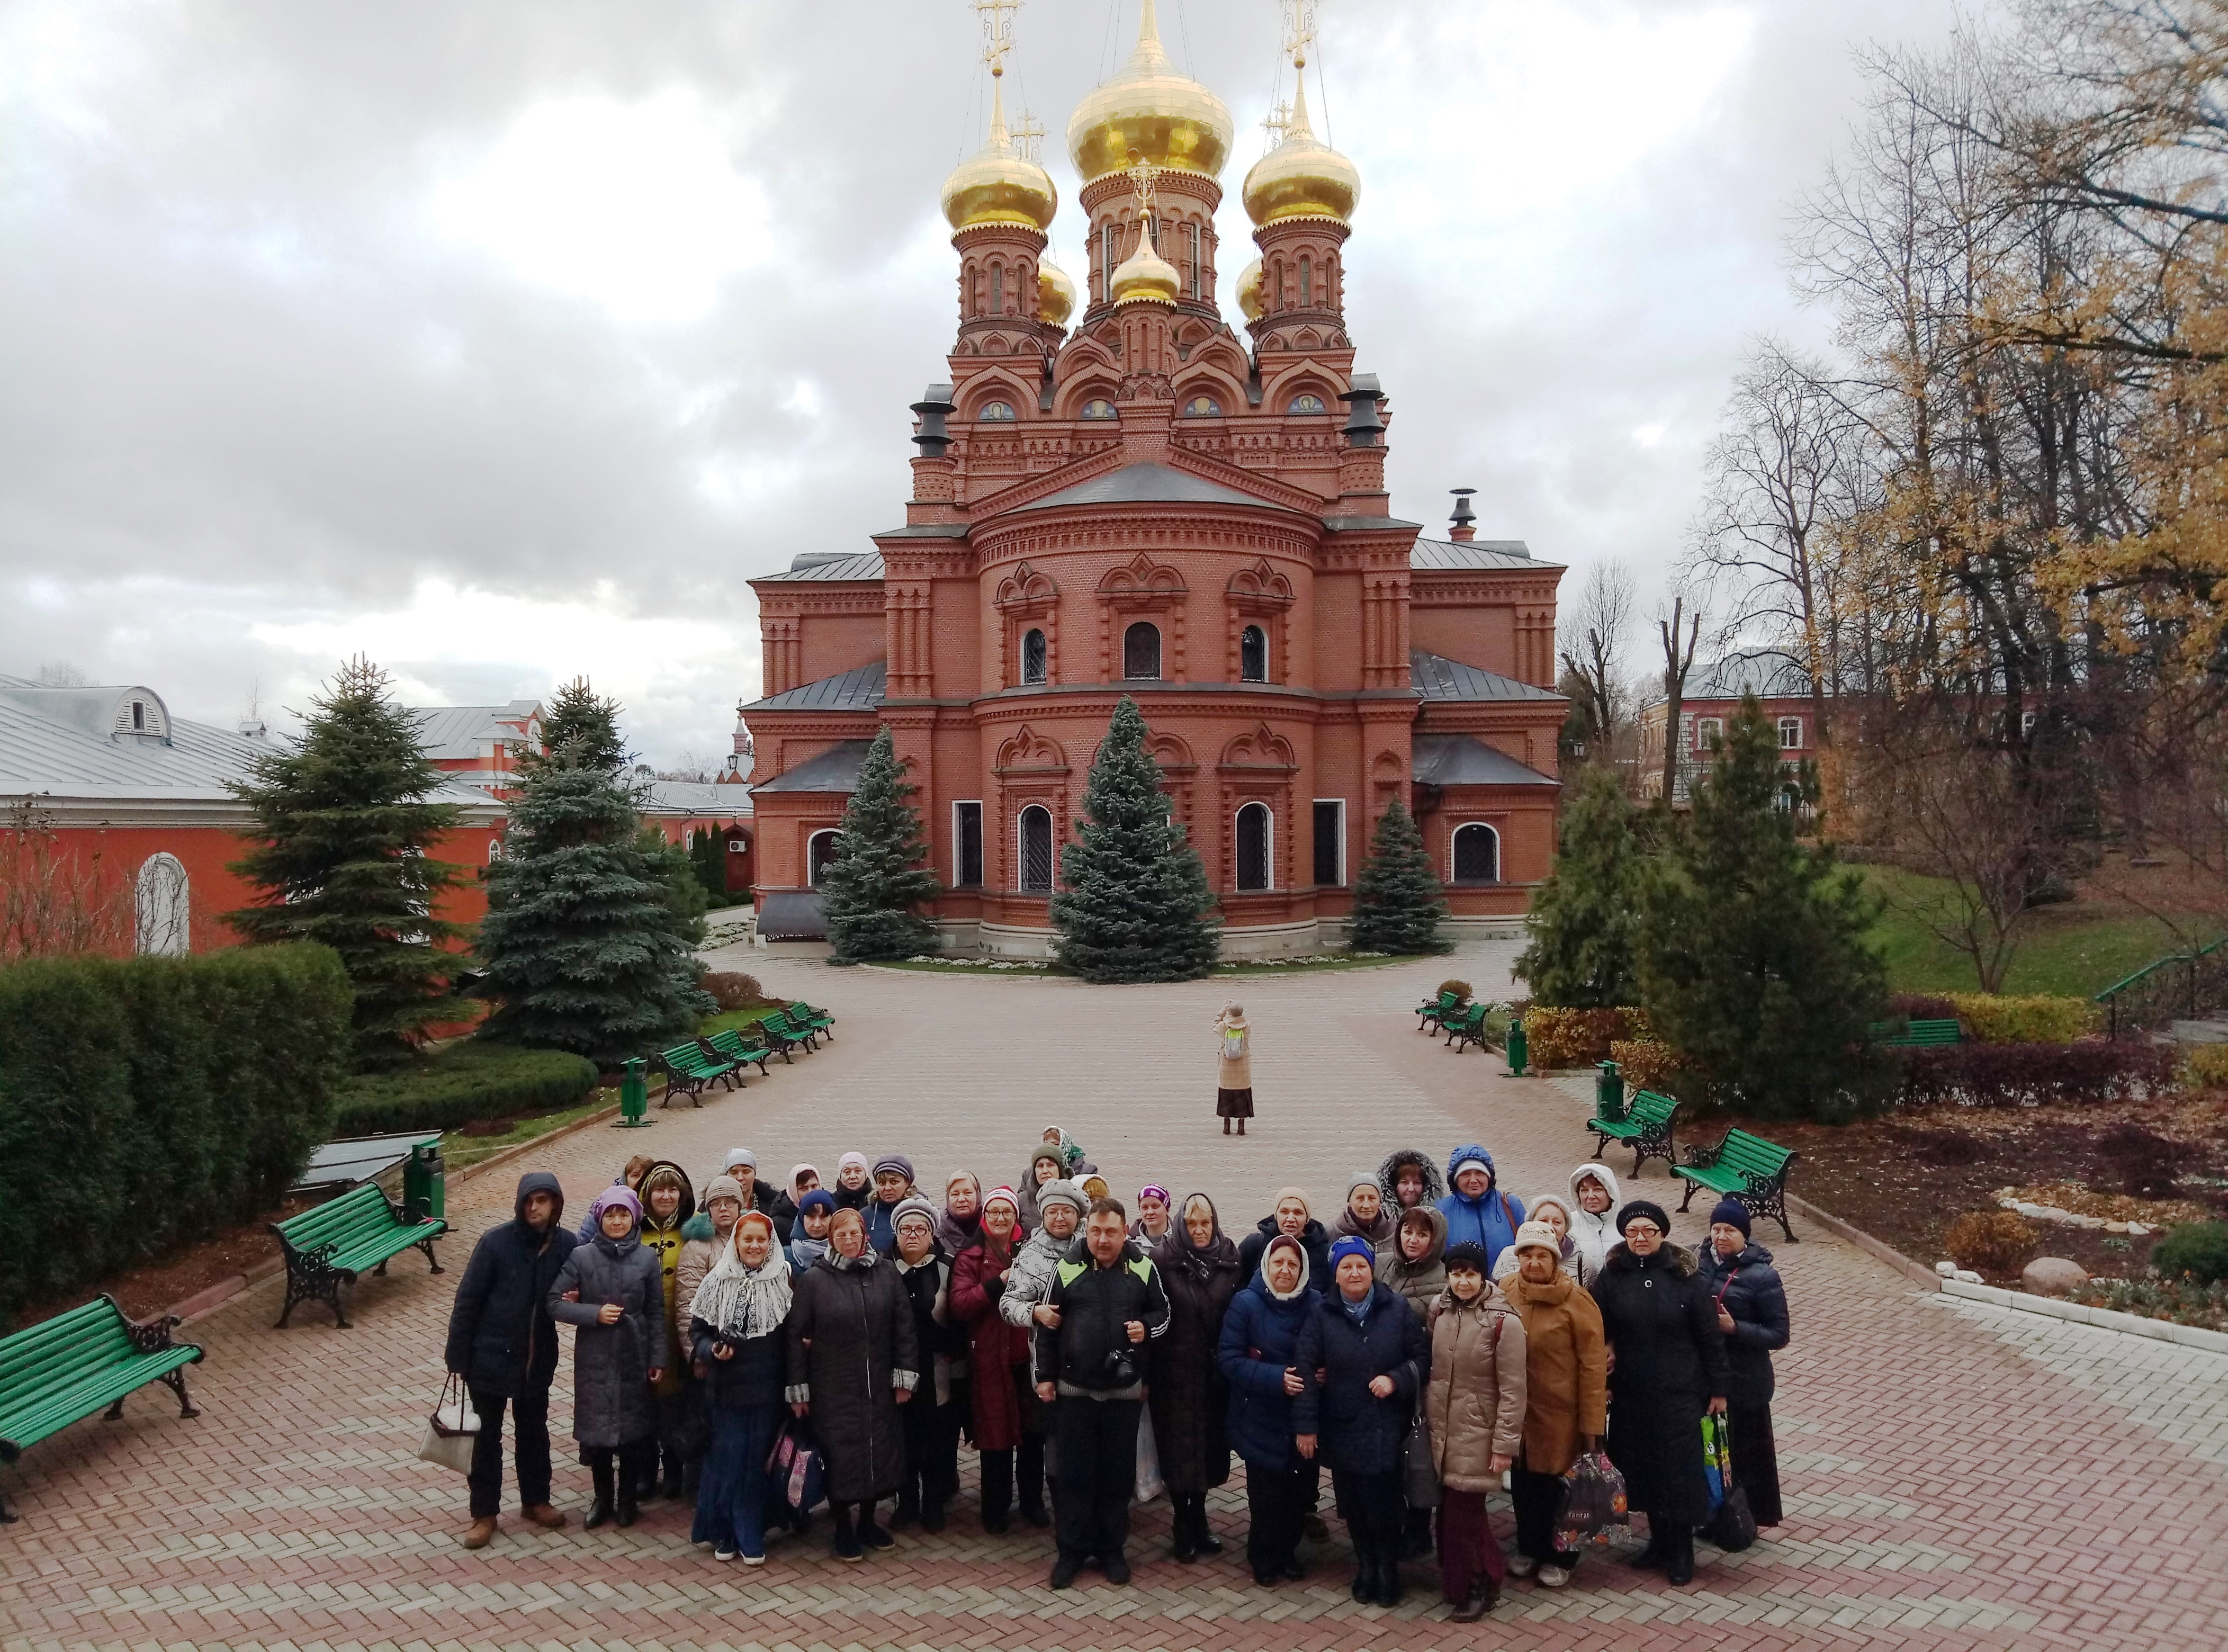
<point>1149,1482</point>
<point>1731,1526</point>
<point>1419,1475</point>
<point>452,1430</point>
<point>796,1474</point>
<point>1593,1505</point>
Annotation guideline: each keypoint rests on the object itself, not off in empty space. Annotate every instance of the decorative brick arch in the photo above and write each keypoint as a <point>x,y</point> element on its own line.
<point>1259,594</point>
<point>1027,597</point>
<point>1261,747</point>
<point>1025,751</point>
<point>1178,773</point>
<point>1133,590</point>
<point>1031,768</point>
<point>1258,766</point>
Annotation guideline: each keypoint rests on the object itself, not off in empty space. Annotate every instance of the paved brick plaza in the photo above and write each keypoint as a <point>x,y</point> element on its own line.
<point>1956,1476</point>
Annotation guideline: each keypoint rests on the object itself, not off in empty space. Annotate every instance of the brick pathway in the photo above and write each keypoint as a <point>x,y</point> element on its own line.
<point>1954,1478</point>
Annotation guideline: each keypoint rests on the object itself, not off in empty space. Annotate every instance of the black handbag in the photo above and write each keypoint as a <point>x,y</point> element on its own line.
<point>1731,1525</point>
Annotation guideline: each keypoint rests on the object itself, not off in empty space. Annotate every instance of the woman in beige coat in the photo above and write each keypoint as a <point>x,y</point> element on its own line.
<point>1233,1095</point>
<point>1474,1405</point>
<point>1566,1396</point>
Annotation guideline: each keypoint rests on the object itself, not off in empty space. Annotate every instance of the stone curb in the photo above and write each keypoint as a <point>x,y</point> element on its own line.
<point>2107,1319</point>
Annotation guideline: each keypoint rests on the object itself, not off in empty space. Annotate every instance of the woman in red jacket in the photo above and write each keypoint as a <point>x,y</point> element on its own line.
<point>1002,1398</point>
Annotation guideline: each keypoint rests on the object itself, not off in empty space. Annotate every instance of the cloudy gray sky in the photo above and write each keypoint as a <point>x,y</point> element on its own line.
<point>503,339</point>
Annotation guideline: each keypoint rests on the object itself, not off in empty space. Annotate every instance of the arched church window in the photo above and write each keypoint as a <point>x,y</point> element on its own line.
<point>1253,655</point>
<point>819,856</point>
<point>997,289</point>
<point>1035,834</point>
<point>161,908</point>
<point>1099,408</point>
<point>1253,825</point>
<point>1032,656</point>
<point>1307,281</point>
<point>1306,402</point>
<point>1477,853</point>
<point>1141,651</point>
<point>1203,407</point>
<point>995,411</point>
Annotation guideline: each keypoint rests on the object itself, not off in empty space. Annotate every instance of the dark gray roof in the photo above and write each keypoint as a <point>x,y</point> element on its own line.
<point>1764,672</point>
<point>1447,556</point>
<point>791,915</point>
<point>1460,760</point>
<point>1148,484</point>
<point>863,565</point>
<point>859,690</point>
<point>1438,678</point>
<point>835,769</point>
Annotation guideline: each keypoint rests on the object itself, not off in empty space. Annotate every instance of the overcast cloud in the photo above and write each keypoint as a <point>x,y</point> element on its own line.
<point>503,339</point>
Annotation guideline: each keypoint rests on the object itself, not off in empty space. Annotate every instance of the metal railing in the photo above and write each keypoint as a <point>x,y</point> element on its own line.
<point>2182,986</point>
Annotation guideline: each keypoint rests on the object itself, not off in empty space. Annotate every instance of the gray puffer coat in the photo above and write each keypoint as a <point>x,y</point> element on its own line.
<point>1035,1266</point>
<point>612,1401</point>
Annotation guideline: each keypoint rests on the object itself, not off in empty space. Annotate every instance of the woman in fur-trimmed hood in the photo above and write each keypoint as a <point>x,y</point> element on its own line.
<point>1414,1168</point>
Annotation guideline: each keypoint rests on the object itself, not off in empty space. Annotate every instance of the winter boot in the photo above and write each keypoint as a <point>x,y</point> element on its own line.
<point>1183,1532</point>
<point>1389,1587</point>
<point>1364,1570</point>
<point>1679,1556</point>
<point>1202,1534</point>
<point>600,1511</point>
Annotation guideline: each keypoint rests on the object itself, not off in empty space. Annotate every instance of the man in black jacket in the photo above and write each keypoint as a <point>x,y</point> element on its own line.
<point>503,1344</point>
<point>1092,1359</point>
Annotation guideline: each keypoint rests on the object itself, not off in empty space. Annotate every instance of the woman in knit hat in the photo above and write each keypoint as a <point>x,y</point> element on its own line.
<point>1594,1199</point>
<point>1047,1166</point>
<point>1002,1413</point>
<point>892,1186</point>
<point>815,1213</point>
<point>703,1237</point>
<point>1199,1269</point>
<point>1233,1045</point>
<point>1668,1366</point>
<point>1553,1211</point>
<point>1364,1215</point>
<point>737,1319</point>
<point>932,1420</point>
<point>1292,1216</point>
<point>853,1185</point>
<point>610,1292</point>
<point>1751,1306</point>
<point>1566,1398</point>
<point>802,1179</point>
<point>1154,1222</point>
<point>1473,1404</point>
<point>743,1165</point>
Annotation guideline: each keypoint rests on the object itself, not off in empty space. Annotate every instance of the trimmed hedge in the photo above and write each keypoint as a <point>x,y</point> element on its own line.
<point>1578,1038</point>
<point>1991,1018</point>
<point>462,1085</point>
<point>148,1102</point>
<point>2027,1075</point>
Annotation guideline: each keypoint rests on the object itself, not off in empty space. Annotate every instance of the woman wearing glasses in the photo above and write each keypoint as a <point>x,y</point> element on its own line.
<point>1666,1363</point>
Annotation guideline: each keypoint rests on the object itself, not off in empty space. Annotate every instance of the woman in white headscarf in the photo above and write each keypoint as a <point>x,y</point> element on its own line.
<point>736,1325</point>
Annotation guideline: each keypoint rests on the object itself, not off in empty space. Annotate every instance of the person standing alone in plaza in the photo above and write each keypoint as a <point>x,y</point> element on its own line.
<point>1751,1306</point>
<point>1233,1095</point>
<point>503,1344</point>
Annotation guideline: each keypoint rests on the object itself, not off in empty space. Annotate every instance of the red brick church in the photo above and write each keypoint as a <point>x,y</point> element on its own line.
<point>1147,502</point>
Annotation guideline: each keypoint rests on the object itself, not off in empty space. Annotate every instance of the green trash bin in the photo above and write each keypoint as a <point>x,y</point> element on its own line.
<point>424,1182</point>
<point>1516,1047</point>
<point>1609,1093</point>
<point>634,1095</point>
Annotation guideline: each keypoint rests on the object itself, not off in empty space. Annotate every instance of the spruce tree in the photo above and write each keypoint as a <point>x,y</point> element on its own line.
<point>1753,958</point>
<point>1136,903</point>
<point>876,878</point>
<point>707,851</point>
<point>581,728</point>
<point>1586,917</point>
<point>1396,902</point>
<point>345,859</point>
<point>586,943</point>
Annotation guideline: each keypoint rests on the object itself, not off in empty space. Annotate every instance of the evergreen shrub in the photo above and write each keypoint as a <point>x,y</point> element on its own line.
<point>462,1085</point>
<point>1397,906</point>
<point>148,1102</point>
<point>877,880</point>
<point>1586,917</point>
<point>2196,1251</point>
<point>2027,1075</point>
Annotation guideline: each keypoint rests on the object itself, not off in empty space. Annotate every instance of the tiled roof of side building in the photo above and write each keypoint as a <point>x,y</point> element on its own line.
<point>835,769</point>
<point>454,732</point>
<point>1436,677</point>
<point>1449,556</point>
<point>1463,760</point>
<point>859,690</point>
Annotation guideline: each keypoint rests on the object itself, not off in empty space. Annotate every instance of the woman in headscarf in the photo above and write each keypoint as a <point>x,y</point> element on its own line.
<point>1594,1199</point>
<point>1408,1178</point>
<point>1154,1221</point>
<point>933,1419</point>
<point>1666,1366</point>
<point>1258,1358</point>
<point>736,1322</point>
<point>1233,1046</point>
<point>962,1216</point>
<point>853,1361</point>
<point>1002,1390</point>
<point>1186,1389</point>
<point>668,1202</point>
<point>1046,1167</point>
<point>610,1292</point>
<point>815,1213</point>
<point>1364,1215</point>
<point>802,1179</point>
<point>1473,1404</point>
<point>1414,1265</point>
<point>1551,1211</point>
<point>1291,1215</point>
<point>854,1186</point>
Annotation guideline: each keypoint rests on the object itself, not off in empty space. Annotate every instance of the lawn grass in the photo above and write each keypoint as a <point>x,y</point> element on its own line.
<point>459,1149</point>
<point>1309,966</point>
<point>2074,950</point>
<point>736,1020</point>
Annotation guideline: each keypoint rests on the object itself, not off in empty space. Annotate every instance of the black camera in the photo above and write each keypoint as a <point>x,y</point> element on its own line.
<point>1121,1368</point>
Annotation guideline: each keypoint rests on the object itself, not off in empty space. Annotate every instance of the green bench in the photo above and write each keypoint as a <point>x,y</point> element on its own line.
<point>785,1033</point>
<point>1747,1167</point>
<point>817,1020</point>
<point>328,1246</point>
<point>69,1367</point>
<point>690,1069</point>
<point>1644,1126</point>
<point>1435,1013</point>
<point>1916,1034</point>
<point>1466,1027</point>
<point>733,1045</point>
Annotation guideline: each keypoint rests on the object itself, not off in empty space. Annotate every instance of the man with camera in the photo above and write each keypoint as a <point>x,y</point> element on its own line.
<point>1091,1360</point>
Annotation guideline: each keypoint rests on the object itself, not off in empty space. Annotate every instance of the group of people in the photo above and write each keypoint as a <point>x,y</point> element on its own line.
<point>1431,1343</point>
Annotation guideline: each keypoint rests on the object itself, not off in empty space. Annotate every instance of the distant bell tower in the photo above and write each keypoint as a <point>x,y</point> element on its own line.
<point>1301,196</point>
<point>999,203</point>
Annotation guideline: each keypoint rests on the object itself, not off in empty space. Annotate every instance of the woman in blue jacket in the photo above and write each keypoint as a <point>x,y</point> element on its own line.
<point>1477,1212</point>
<point>1373,1354</point>
<point>1256,1355</point>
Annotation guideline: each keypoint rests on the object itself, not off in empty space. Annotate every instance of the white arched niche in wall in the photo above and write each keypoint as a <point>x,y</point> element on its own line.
<point>161,908</point>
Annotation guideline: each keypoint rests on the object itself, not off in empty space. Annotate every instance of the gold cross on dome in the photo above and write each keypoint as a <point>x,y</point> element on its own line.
<point>1028,132</point>
<point>1299,29</point>
<point>1142,175</point>
<point>997,30</point>
<point>1279,123</point>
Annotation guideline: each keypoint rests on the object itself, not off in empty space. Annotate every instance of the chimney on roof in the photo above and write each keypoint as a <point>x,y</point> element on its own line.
<point>1464,519</point>
<point>934,438</point>
<point>254,728</point>
<point>1364,426</point>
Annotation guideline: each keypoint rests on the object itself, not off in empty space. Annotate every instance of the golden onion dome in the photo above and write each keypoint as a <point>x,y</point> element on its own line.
<point>1146,277</point>
<point>1055,294</point>
<point>1149,110</point>
<point>1249,290</point>
<point>1302,177</point>
<point>999,185</point>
